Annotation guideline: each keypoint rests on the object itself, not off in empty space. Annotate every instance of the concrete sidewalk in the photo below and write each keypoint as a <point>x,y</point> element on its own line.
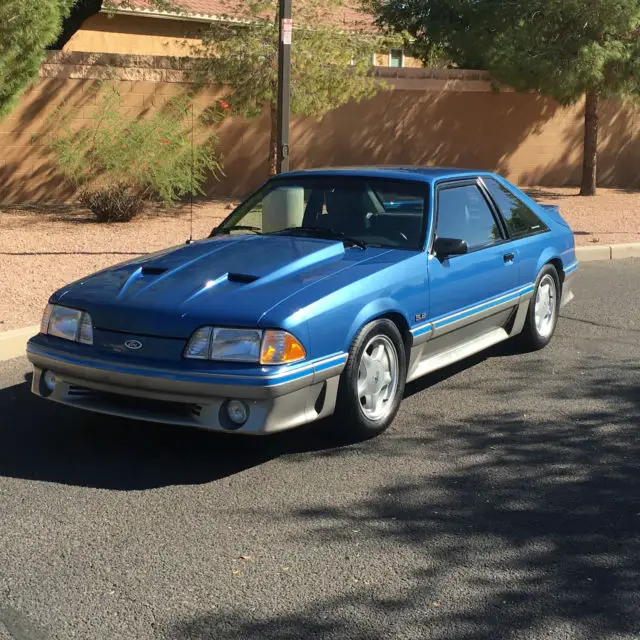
<point>13,343</point>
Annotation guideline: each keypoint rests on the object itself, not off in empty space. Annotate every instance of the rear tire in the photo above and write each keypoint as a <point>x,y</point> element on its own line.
<point>544,309</point>
<point>372,383</point>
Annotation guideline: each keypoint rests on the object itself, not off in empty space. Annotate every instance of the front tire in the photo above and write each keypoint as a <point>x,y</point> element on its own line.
<point>372,383</point>
<point>544,309</point>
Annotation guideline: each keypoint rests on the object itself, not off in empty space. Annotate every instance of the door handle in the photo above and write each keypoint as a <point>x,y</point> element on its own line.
<point>509,257</point>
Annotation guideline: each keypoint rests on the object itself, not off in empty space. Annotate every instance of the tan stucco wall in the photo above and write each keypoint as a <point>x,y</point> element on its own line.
<point>450,118</point>
<point>135,35</point>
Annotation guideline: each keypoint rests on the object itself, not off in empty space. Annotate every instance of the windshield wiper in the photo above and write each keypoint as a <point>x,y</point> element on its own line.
<point>225,231</point>
<point>326,233</point>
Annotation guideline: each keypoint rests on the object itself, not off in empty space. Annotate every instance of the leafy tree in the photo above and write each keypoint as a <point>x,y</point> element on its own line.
<point>563,48</point>
<point>27,29</point>
<point>329,67</point>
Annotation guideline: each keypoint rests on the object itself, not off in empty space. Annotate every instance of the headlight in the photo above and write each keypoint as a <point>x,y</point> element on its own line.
<point>67,323</point>
<point>241,345</point>
<point>244,345</point>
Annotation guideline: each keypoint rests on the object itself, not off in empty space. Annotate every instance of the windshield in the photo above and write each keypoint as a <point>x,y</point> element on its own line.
<point>359,211</point>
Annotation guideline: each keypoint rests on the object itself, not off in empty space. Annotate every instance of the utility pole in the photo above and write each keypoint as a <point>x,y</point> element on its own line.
<point>284,84</point>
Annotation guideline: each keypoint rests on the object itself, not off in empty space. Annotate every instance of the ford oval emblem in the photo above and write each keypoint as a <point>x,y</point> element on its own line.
<point>134,345</point>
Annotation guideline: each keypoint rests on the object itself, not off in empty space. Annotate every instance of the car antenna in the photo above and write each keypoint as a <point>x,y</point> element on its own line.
<point>190,240</point>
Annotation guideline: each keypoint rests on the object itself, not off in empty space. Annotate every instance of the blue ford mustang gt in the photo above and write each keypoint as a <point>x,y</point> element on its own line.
<point>324,292</point>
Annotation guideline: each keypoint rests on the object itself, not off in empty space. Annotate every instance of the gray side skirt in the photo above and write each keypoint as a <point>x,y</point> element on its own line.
<point>466,337</point>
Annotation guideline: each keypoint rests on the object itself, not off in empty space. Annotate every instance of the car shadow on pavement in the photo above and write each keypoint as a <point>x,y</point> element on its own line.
<point>530,530</point>
<point>41,440</point>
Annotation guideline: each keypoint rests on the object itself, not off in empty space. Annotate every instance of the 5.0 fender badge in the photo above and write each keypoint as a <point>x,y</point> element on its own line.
<point>134,345</point>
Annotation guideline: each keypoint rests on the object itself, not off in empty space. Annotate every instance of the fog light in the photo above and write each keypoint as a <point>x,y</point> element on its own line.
<point>237,411</point>
<point>49,379</point>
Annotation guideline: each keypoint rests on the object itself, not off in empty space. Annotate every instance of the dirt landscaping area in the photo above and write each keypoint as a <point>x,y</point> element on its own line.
<point>611,217</point>
<point>43,248</point>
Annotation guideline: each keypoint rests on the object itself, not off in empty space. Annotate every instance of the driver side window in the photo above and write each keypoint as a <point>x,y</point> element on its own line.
<point>463,214</point>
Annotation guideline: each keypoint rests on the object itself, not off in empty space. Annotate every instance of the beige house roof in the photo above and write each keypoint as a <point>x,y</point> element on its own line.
<point>348,17</point>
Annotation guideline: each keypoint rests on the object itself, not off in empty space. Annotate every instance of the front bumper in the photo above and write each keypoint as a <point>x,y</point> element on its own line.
<point>196,399</point>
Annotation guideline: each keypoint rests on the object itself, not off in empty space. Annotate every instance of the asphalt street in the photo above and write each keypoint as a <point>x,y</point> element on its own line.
<point>504,503</point>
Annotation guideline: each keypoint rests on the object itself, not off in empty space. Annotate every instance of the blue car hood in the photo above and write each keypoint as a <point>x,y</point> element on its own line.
<point>226,280</point>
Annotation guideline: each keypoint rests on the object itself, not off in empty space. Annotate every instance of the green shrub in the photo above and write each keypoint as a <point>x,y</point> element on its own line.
<point>120,161</point>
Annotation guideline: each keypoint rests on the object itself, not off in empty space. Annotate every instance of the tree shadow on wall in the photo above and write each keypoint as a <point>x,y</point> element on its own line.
<point>618,151</point>
<point>532,532</point>
<point>28,174</point>
<point>477,130</point>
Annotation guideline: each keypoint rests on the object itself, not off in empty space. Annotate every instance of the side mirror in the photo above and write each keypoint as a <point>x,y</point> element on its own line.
<point>445,247</point>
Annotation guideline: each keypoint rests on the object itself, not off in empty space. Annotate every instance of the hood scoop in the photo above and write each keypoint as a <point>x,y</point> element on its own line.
<point>150,270</point>
<point>241,278</point>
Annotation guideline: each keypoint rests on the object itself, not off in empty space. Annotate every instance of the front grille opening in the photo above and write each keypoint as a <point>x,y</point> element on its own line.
<point>75,390</point>
<point>142,408</point>
<point>142,403</point>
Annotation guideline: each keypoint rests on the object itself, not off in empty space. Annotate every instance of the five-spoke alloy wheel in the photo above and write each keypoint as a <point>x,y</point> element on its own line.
<point>378,377</point>
<point>372,382</point>
<point>544,310</point>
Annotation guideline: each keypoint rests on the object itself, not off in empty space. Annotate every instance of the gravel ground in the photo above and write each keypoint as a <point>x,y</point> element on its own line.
<point>43,249</point>
<point>612,217</point>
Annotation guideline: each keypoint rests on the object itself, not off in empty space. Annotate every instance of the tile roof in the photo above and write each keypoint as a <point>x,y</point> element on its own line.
<point>348,17</point>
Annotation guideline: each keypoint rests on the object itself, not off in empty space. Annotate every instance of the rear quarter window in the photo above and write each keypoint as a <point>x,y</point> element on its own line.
<point>518,217</point>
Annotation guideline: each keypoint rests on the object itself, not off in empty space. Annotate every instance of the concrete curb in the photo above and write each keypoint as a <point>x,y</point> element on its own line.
<point>13,343</point>
<point>608,252</point>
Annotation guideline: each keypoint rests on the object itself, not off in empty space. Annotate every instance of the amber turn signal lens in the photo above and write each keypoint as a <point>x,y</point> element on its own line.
<point>280,347</point>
